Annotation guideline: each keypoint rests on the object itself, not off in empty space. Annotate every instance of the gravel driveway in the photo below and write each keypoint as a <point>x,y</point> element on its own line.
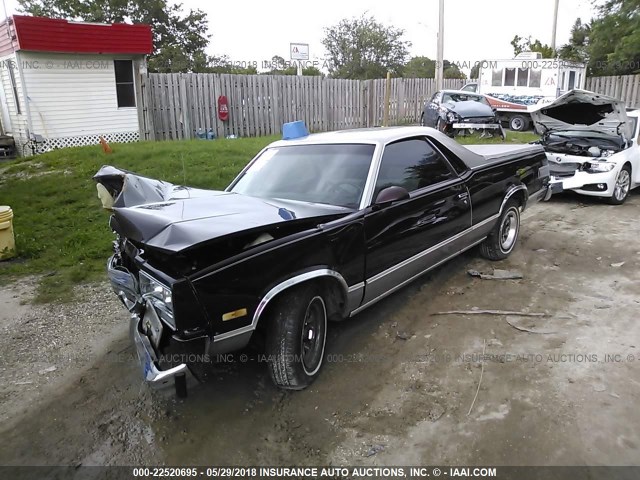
<point>401,384</point>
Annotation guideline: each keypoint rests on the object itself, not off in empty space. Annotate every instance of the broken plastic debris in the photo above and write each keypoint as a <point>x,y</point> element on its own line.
<point>48,370</point>
<point>617,265</point>
<point>497,274</point>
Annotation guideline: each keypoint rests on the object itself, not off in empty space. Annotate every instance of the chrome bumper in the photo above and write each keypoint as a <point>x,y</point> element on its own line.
<point>147,356</point>
<point>125,285</point>
<point>477,126</point>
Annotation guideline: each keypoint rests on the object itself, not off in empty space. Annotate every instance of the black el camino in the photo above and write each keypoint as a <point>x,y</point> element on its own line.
<point>315,228</point>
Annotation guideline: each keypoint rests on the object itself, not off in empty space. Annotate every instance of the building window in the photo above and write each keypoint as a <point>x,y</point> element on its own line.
<point>14,87</point>
<point>125,88</point>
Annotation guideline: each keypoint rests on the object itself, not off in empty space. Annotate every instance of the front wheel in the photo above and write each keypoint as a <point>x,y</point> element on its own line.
<point>621,187</point>
<point>297,336</point>
<point>504,236</point>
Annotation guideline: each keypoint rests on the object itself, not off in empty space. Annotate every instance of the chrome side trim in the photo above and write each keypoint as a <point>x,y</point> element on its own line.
<point>400,285</point>
<point>355,287</point>
<point>322,272</point>
<point>429,250</point>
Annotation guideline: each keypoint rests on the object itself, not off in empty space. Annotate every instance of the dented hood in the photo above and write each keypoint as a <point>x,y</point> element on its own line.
<point>174,218</point>
<point>583,110</point>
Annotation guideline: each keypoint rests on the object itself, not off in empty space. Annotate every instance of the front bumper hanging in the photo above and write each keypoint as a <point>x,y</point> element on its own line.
<point>125,285</point>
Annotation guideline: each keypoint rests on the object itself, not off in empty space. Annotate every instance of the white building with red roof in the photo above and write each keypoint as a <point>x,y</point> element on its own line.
<point>67,83</point>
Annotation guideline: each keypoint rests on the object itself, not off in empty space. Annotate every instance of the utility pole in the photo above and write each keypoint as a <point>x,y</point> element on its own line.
<point>555,25</point>
<point>440,60</point>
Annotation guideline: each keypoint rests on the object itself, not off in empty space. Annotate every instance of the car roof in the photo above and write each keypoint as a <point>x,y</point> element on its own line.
<point>375,135</point>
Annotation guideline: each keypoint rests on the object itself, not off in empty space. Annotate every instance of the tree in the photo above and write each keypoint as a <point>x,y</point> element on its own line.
<point>362,48</point>
<point>521,44</point>
<point>614,38</point>
<point>475,70</point>
<point>179,39</point>
<point>420,67</point>
<point>577,48</point>
<point>451,70</point>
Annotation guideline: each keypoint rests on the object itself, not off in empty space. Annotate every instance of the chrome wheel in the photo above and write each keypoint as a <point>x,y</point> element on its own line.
<point>314,332</point>
<point>509,230</point>
<point>621,188</point>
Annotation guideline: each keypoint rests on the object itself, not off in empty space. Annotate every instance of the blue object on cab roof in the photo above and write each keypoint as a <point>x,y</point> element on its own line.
<point>293,130</point>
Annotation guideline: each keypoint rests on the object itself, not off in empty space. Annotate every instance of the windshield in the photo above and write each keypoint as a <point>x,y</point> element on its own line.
<point>449,97</point>
<point>331,174</point>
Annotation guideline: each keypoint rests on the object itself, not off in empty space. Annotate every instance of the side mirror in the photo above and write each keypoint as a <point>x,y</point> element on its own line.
<point>391,194</point>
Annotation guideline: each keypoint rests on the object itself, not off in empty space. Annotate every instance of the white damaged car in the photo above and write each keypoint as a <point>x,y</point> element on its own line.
<point>591,143</point>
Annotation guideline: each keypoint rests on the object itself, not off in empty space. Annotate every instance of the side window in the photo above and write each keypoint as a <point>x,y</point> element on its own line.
<point>523,77</point>
<point>496,77</point>
<point>411,164</point>
<point>534,78</point>
<point>509,77</point>
<point>125,89</point>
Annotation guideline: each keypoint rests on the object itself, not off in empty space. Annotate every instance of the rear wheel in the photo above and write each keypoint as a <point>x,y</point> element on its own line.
<point>518,123</point>
<point>621,187</point>
<point>504,236</point>
<point>297,336</point>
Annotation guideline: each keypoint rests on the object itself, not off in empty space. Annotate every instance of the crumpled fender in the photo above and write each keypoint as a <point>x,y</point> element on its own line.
<point>121,188</point>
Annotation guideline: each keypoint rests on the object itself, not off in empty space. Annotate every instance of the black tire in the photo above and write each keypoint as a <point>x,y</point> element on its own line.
<point>504,236</point>
<point>297,337</point>
<point>422,124</point>
<point>518,123</point>
<point>622,187</point>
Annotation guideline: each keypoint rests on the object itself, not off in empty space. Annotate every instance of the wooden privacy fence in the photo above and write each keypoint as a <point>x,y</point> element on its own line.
<point>624,87</point>
<point>183,105</point>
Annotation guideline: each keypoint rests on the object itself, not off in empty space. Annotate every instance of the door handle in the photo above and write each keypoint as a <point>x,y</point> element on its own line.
<point>462,195</point>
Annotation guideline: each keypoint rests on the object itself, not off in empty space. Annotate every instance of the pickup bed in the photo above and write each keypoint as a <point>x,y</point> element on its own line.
<point>313,229</point>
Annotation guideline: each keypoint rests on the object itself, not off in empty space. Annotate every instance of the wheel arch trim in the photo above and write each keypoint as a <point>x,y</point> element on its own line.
<point>296,280</point>
<point>511,192</point>
<point>317,273</point>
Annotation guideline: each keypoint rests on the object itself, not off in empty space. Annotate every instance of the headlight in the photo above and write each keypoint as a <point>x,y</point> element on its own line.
<point>159,296</point>
<point>598,167</point>
<point>452,117</point>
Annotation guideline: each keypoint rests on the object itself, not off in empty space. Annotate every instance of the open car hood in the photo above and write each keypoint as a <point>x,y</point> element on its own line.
<point>174,218</point>
<point>583,110</point>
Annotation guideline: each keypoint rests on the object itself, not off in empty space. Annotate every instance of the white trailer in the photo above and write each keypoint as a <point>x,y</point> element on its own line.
<point>514,86</point>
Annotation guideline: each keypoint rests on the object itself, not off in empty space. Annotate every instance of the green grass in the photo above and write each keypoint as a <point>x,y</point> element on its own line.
<point>61,230</point>
<point>512,137</point>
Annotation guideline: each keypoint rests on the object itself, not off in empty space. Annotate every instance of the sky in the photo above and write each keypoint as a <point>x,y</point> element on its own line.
<point>255,31</point>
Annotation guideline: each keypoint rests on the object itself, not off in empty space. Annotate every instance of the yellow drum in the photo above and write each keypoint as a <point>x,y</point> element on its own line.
<point>7,240</point>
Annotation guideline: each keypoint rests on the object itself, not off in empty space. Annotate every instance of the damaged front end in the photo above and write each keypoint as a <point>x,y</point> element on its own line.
<point>152,327</point>
<point>171,243</point>
<point>582,133</point>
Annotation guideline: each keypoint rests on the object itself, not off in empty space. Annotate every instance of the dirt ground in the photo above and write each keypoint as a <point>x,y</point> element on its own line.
<point>399,384</point>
